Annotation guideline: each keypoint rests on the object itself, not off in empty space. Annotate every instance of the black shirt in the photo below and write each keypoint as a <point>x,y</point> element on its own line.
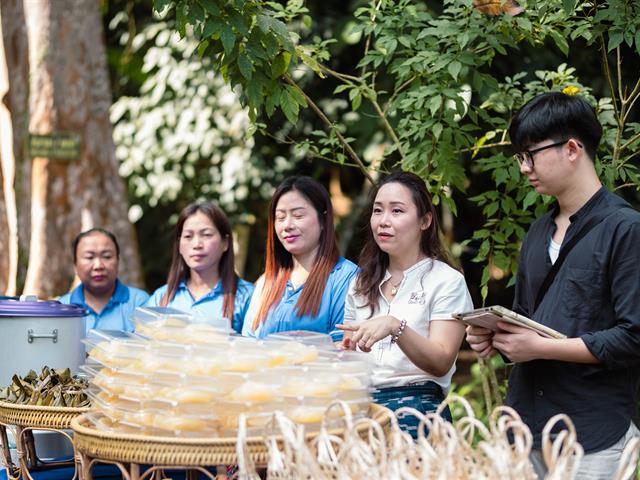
<point>595,296</point>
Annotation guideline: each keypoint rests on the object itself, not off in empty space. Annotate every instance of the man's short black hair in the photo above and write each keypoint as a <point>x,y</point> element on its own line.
<point>80,236</point>
<point>556,116</point>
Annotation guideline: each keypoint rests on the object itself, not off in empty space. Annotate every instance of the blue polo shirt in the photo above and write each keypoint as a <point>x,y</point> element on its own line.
<point>116,314</point>
<point>210,305</point>
<point>283,317</point>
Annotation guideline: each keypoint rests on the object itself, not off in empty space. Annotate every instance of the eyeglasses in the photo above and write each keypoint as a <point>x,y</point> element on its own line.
<point>525,159</point>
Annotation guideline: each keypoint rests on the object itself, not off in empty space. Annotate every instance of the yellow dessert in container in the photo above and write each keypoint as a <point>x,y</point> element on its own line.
<point>228,381</point>
<point>252,391</point>
<point>300,353</point>
<point>108,410</point>
<point>142,418</point>
<point>305,414</point>
<point>242,362</point>
<point>208,331</point>
<point>211,366</point>
<point>257,413</point>
<point>140,392</point>
<point>114,353</point>
<point>351,382</point>
<point>181,422</point>
<point>151,362</point>
<point>106,380</point>
<point>188,395</point>
<point>309,388</point>
<point>158,329</point>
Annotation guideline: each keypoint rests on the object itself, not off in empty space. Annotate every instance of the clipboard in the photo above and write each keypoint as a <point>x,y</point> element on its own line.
<point>488,317</point>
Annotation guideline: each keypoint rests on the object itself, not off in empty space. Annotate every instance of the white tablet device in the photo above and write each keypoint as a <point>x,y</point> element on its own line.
<point>488,317</point>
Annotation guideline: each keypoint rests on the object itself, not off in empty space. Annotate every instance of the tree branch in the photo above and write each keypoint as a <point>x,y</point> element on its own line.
<point>501,143</point>
<point>607,74</point>
<point>618,63</point>
<point>340,76</point>
<point>633,96</point>
<point>397,92</point>
<point>329,124</point>
<point>367,43</point>
<point>388,128</point>
<point>635,138</point>
<point>624,185</point>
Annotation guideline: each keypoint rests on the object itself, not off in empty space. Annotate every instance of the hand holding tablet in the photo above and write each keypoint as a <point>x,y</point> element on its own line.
<point>488,317</point>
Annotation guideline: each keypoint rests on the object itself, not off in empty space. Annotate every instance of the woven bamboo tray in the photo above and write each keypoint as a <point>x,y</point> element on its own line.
<point>185,452</point>
<point>35,416</point>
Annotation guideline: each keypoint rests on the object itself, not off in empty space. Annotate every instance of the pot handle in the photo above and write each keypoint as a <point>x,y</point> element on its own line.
<point>53,335</point>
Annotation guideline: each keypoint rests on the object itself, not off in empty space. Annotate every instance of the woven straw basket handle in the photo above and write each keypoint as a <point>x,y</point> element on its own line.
<point>562,455</point>
<point>628,460</point>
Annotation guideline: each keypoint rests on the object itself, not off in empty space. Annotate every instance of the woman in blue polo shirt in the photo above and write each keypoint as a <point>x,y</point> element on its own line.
<point>202,279</point>
<point>305,280</point>
<point>110,302</point>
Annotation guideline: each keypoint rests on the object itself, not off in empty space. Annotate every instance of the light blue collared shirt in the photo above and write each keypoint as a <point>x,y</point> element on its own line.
<point>283,316</point>
<point>210,305</point>
<point>116,314</point>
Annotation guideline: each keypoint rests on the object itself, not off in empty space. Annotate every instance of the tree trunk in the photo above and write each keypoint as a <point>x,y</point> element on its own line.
<point>69,92</point>
<point>14,81</point>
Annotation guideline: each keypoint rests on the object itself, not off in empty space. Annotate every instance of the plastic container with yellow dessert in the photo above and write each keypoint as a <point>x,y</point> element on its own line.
<point>106,424</point>
<point>147,319</point>
<point>319,340</point>
<point>115,381</point>
<point>110,405</point>
<point>176,326</point>
<point>346,367</point>
<point>257,389</point>
<point>245,361</point>
<point>312,410</point>
<point>113,348</point>
<point>183,423</point>
<point>258,413</point>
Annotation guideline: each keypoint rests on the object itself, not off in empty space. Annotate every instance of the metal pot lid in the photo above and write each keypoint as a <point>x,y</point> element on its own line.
<point>41,308</point>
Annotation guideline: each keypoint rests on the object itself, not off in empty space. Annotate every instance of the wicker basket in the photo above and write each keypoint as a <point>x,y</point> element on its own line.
<point>35,416</point>
<point>143,449</point>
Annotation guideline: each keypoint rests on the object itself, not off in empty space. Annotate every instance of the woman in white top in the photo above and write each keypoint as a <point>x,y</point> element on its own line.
<point>399,306</point>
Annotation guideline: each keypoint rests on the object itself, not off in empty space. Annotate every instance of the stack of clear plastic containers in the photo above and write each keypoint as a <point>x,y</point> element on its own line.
<point>176,376</point>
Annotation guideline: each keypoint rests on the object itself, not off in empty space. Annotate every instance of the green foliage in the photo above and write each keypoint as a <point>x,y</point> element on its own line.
<point>249,44</point>
<point>426,75</point>
<point>484,390</point>
<point>185,136</point>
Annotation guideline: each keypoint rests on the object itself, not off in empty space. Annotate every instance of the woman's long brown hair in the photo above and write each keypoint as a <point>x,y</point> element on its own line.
<point>279,262</point>
<point>373,262</point>
<point>226,270</point>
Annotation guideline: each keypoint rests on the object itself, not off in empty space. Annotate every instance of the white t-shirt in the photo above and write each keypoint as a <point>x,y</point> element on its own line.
<point>430,290</point>
<point>554,251</point>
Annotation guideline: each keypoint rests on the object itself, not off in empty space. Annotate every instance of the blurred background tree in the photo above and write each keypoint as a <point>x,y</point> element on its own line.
<point>54,85</point>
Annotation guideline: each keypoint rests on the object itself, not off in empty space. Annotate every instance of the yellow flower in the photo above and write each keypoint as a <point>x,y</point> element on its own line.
<point>571,90</point>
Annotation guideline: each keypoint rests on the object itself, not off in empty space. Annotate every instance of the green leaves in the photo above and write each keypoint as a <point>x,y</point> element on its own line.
<point>569,6</point>
<point>560,41</point>
<point>291,99</point>
<point>211,7</point>
<point>161,5</point>
<point>454,69</point>
<point>280,64</point>
<point>228,38</point>
<point>529,199</point>
<point>245,66</point>
<point>244,37</point>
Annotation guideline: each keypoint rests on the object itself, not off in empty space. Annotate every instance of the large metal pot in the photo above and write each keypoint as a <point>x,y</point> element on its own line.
<point>38,333</point>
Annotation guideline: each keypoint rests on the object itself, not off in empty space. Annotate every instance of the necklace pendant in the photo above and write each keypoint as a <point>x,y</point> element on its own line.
<point>394,290</point>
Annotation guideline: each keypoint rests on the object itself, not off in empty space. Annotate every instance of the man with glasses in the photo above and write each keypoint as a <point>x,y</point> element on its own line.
<point>594,298</point>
